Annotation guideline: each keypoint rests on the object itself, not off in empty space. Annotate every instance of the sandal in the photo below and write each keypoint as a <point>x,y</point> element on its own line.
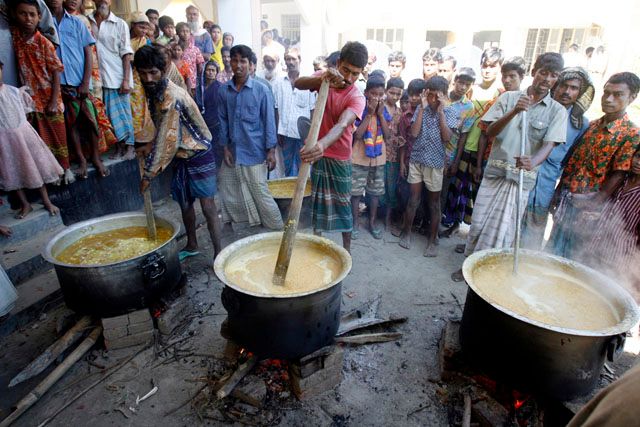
<point>376,233</point>
<point>457,276</point>
<point>184,254</point>
<point>460,248</point>
<point>355,233</point>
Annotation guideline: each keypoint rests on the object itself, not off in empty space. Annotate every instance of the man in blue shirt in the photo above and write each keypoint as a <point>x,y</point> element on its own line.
<point>80,113</point>
<point>248,137</point>
<point>575,92</point>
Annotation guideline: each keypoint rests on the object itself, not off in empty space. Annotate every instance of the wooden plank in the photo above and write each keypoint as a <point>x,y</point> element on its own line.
<point>370,338</point>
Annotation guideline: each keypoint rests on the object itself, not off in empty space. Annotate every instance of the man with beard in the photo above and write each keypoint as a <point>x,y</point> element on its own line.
<point>575,92</point>
<point>114,55</point>
<point>182,137</point>
<point>201,37</point>
<point>248,136</point>
<point>271,62</point>
<point>291,103</point>
<point>494,215</point>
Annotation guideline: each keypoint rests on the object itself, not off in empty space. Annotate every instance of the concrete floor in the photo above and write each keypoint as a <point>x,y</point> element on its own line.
<point>383,384</point>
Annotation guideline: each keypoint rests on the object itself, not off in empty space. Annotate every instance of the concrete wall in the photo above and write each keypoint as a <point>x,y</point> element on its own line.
<point>176,8</point>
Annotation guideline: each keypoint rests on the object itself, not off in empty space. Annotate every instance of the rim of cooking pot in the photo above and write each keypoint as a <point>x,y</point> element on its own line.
<point>631,312</point>
<point>47,251</point>
<point>221,260</point>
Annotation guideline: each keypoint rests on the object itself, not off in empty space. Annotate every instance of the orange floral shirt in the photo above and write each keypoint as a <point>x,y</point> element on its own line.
<point>37,64</point>
<point>604,148</point>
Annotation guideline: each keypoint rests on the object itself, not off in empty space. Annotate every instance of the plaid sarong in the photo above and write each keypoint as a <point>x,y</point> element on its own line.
<point>119,111</point>
<point>53,132</point>
<point>462,192</point>
<point>494,215</point>
<point>331,195</point>
<point>246,198</point>
<point>194,178</point>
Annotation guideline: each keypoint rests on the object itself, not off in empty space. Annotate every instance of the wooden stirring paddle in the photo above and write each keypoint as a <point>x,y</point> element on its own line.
<point>148,206</point>
<point>291,226</point>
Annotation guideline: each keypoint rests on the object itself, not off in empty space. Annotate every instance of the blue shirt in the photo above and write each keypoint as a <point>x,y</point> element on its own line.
<point>428,148</point>
<point>247,121</point>
<point>74,37</point>
<point>551,169</point>
<point>204,42</point>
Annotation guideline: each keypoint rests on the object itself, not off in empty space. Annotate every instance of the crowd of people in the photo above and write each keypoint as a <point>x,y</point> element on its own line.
<point>426,155</point>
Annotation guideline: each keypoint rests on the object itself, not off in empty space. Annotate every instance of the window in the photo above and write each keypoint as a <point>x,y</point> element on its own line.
<point>291,28</point>
<point>436,39</point>
<point>540,40</point>
<point>486,39</point>
<point>392,37</point>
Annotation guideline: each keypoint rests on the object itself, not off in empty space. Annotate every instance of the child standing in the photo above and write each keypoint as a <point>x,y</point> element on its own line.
<point>39,68</point>
<point>190,54</point>
<point>182,66</point>
<point>395,87</point>
<point>369,155</point>
<point>432,127</point>
<point>25,160</point>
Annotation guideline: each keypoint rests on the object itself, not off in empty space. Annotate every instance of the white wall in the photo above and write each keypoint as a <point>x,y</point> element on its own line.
<point>241,18</point>
<point>176,8</point>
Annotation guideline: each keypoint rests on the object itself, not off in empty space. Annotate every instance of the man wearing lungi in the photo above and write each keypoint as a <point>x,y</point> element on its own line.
<point>493,223</point>
<point>182,136</point>
<point>331,172</point>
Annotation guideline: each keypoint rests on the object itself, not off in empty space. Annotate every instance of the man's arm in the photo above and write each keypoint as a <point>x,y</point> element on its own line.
<point>223,118</point>
<point>445,130</point>
<point>126,65</point>
<point>83,91</point>
<point>363,125</point>
<point>460,148</point>
<point>52,108</point>
<point>498,125</point>
<point>528,163</point>
<point>344,122</point>
<point>270,135</point>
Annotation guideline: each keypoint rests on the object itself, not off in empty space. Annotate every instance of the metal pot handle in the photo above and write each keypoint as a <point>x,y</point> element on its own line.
<point>153,268</point>
<point>615,346</point>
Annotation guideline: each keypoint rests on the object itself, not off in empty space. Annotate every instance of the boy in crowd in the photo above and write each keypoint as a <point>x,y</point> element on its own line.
<point>430,62</point>
<point>447,69</point>
<point>404,101</point>
<point>369,155</point>
<point>393,142</point>
<point>168,28</point>
<point>397,62</point>
<point>433,125</point>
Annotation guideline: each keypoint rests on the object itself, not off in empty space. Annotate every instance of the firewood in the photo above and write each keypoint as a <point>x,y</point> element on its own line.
<point>236,377</point>
<point>363,323</point>
<point>369,338</point>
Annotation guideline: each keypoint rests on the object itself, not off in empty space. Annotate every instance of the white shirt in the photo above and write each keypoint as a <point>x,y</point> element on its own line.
<point>291,103</point>
<point>113,42</point>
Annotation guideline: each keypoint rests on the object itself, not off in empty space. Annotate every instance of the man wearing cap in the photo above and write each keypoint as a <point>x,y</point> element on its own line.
<point>575,92</point>
<point>271,63</point>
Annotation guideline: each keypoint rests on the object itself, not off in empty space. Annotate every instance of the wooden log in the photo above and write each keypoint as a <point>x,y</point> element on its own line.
<point>291,226</point>
<point>226,389</point>
<point>466,416</point>
<point>356,324</point>
<point>35,394</point>
<point>52,352</point>
<point>369,338</point>
<point>148,205</point>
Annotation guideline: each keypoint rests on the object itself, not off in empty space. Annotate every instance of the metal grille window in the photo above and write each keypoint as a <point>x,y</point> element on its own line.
<point>392,37</point>
<point>541,40</point>
<point>436,39</point>
<point>291,27</point>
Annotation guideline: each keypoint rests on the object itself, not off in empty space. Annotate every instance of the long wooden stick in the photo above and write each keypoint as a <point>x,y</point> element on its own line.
<point>53,377</point>
<point>516,243</point>
<point>53,351</point>
<point>291,226</point>
<point>226,389</point>
<point>148,205</point>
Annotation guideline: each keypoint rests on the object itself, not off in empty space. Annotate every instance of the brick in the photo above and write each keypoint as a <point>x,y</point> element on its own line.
<point>115,322</point>
<point>139,316</point>
<point>129,340</point>
<point>115,333</point>
<point>140,327</point>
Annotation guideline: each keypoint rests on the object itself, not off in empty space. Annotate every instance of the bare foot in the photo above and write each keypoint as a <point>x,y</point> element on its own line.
<point>431,251</point>
<point>395,231</point>
<point>5,231</point>
<point>130,154</point>
<point>117,151</point>
<point>460,248</point>
<point>103,171</point>
<point>405,241</point>
<point>26,210</point>
<point>53,209</point>
<point>457,276</point>
<point>82,172</point>
<point>69,177</point>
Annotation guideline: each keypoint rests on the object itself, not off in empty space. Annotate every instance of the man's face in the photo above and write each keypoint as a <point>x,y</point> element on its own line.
<point>99,3</point>
<point>210,72</point>
<point>393,95</point>
<point>432,98</point>
<point>461,87</point>
<point>446,70</point>
<point>544,80</point>
<point>72,5</point>
<point>226,59</point>
<point>429,68</point>
<point>616,98</point>
<point>140,29</point>
<point>150,77</point>
<point>269,63</point>
<point>511,80</point>
<point>216,34</point>
<point>414,99</point>
<point>489,71</point>
<point>292,62</point>
<point>349,72</point>
<point>184,33</point>
<point>375,94</point>
<point>240,66</point>
<point>567,92</point>
<point>193,14</point>
<point>54,4</point>
<point>27,16</point>
<point>395,69</point>
<point>153,18</point>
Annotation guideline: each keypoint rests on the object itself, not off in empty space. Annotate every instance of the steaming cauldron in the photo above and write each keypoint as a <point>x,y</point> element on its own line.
<point>282,326</point>
<point>558,362</point>
<point>111,289</point>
